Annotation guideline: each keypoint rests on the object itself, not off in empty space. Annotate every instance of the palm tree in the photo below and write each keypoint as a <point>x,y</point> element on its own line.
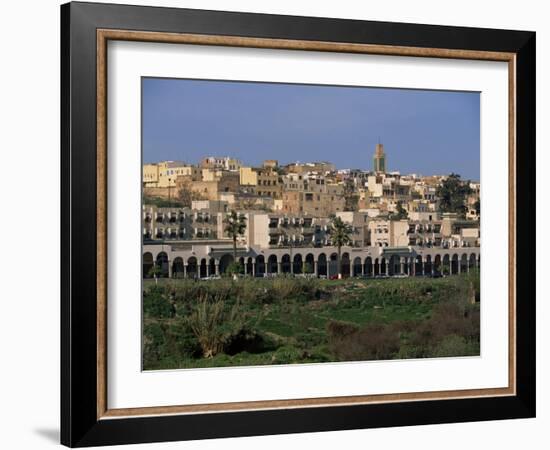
<point>340,235</point>
<point>235,225</point>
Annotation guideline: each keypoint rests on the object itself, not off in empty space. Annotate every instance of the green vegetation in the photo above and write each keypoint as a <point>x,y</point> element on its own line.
<point>400,213</point>
<point>161,202</point>
<point>452,195</point>
<point>340,235</point>
<point>284,320</point>
<point>234,226</point>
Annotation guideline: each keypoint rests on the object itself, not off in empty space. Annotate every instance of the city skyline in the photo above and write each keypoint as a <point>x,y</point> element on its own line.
<point>187,120</point>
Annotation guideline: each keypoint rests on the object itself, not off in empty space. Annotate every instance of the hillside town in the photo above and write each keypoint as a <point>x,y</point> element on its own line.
<point>306,218</point>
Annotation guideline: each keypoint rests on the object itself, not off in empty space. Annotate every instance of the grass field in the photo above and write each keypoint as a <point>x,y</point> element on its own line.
<point>284,320</point>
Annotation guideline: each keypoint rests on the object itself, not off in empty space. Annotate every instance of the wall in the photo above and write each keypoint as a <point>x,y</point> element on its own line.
<point>29,333</point>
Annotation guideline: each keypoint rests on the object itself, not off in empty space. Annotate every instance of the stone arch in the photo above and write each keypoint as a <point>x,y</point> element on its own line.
<point>212,266</point>
<point>192,267</point>
<point>272,264</point>
<point>345,265</point>
<point>454,264</point>
<point>332,265</point>
<point>297,263</point>
<point>418,265</point>
<point>285,263</point>
<point>260,264</point>
<point>202,268</point>
<point>322,265</point>
<point>369,267</point>
<point>162,263</point>
<point>147,264</point>
<point>376,267</point>
<point>357,268</point>
<point>428,265</point>
<point>177,267</point>
<point>225,261</point>
<point>248,267</point>
<point>309,263</point>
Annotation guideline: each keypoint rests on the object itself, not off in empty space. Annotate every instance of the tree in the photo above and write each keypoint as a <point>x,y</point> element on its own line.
<point>155,271</point>
<point>477,207</point>
<point>340,235</point>
<point>400,213</point>
<point>452,193</point>
<point>235,226</point>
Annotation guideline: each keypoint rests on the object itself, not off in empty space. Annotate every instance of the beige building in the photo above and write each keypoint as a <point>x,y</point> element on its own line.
<point>164,174</point>
<point>263,182</point>
<point>321,167</point>
<point>224,163</point>
<point>388,233</point>
<point>311,203</point>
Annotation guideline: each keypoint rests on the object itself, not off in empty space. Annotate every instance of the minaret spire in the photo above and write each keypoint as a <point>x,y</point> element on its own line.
<point>379,158</point>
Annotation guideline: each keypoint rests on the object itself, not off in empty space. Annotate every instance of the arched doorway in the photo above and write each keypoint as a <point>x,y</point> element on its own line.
<point>147,264</point>
<point>357,268</point>
<point>376,267</point>
<point>212,267</point>
<point>162,264</point>
<point>333,265</point>
<point>418,266</point>
<point>428,265</point>
<point>297,264</point>
<point>285,263</point>
<point>454,264</point>
<point>345,265</point>
<point>225,261</point>
<point>192,267</point>
<point>260,264</point>
<point>272,264</point>
<point>368,267</point>
<point>202,271</point>
<point>309,266</point>
<point>177,267</point>
<point>322,266</point>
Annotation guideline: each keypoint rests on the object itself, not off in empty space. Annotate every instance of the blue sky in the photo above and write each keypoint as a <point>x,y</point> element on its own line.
<point>423,132</point>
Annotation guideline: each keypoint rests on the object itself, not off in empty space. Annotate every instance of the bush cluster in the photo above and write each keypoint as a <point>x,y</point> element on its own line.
<point>284,320</point>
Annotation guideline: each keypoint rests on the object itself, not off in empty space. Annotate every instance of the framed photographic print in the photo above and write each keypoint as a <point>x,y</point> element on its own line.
<point>276,224</point>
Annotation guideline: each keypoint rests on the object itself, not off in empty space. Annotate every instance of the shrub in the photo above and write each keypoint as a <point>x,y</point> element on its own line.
<point>156,303</point>
<point>217,325</point>
<point>373,341</point>
<point>287,355</point>
<point>234,268</point>
<point>153,343</point>
<point>207,322</point>
<point>453,345</point>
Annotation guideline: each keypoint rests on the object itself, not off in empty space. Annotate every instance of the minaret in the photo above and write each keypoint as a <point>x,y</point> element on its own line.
<point>379,159</point>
